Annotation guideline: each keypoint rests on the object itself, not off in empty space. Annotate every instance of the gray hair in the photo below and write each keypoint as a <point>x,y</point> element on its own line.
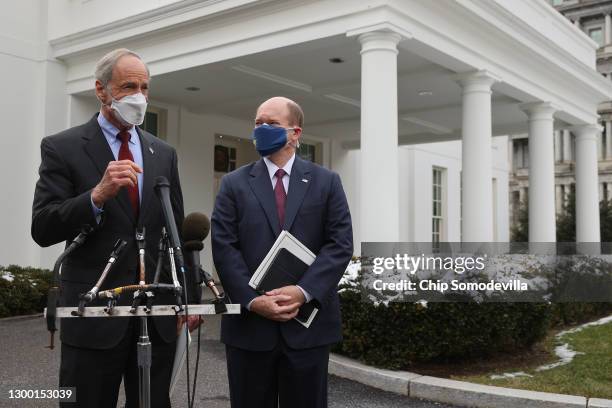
<point>106,64</point>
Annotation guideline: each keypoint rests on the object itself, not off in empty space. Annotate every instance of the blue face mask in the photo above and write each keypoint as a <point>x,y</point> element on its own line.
<point>269,139</point>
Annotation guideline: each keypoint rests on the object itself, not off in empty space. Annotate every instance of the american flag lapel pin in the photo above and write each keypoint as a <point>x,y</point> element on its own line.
<point>304,181</point>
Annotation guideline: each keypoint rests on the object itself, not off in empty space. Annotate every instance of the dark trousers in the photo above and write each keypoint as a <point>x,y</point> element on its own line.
<point>283,376</point>
<point>97,374</point>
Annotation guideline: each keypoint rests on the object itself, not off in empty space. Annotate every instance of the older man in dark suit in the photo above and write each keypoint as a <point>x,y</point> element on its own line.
<point>271,358</point>
<point>101,174</point>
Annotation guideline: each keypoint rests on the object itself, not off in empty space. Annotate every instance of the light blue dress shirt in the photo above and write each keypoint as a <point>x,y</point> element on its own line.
<point>110,133</point>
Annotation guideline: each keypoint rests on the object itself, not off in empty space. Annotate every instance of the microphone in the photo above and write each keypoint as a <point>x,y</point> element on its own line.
<point>54,290</point>
<point>162,190</point>
<point>85,298</point>
<point>196,227</point>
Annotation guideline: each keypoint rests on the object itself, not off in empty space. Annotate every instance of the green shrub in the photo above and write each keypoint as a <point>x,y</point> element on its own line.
<point>23,290</point>
<point>567,314</point>
<point>398,334</point>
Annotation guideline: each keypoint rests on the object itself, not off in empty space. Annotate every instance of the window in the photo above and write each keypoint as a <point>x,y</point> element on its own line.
<point>225,159</point>
<point>307,151</point>
<point>521,153</point>
<point>438,203</point>
<point>155,121</point>
<point>596,34</point>
<point>150,123</point>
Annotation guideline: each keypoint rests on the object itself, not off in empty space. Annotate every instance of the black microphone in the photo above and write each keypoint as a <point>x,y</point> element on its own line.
<point>196,227</point>
<point>53,295</point>
<point>162,190</point>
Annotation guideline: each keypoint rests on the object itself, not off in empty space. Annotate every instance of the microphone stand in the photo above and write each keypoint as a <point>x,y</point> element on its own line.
<point>85,298</point>
<point>143,346</point>
<point>141,291</point>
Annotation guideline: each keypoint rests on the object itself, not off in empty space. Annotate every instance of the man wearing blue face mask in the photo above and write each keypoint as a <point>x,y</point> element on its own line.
<point>271,358</point>
<point>101,174</point>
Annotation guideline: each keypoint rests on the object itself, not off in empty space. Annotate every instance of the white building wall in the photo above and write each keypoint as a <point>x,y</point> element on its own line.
<point>416,163</point>
<point>66,16</point>
<point>34,105</point>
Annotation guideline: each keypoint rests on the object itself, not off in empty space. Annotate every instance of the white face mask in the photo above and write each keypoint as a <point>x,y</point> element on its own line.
<point>131,108</point>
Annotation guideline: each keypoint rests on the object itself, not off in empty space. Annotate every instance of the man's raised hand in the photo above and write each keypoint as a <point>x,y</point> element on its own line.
<point>122,173</point>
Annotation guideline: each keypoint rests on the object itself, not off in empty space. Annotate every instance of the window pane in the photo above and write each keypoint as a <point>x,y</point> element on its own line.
<point>150,123</point>
<point>596,35</point>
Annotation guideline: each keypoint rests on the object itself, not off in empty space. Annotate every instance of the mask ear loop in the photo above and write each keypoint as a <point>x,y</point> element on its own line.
<point>297,142</point>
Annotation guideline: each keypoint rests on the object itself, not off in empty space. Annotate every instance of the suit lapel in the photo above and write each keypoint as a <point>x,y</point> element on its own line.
<point>299,181</point>
<point>262,188</point>
<point>147,144</point>
<point>100,153</point>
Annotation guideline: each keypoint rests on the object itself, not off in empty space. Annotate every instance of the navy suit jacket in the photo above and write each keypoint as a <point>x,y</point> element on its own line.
<point>245,225</point>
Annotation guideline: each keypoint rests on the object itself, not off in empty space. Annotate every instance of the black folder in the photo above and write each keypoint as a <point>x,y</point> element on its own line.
<point>284,270</point>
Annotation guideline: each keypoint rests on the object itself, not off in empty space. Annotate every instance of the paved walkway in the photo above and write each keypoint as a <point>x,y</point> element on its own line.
<point>26,363</point>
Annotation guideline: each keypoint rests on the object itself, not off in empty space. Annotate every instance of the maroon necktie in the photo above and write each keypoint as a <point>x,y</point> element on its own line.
<point>280,196</point>
<point>125,154</point>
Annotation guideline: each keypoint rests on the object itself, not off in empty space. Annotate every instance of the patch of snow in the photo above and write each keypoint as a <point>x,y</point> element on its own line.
<point>510,375</point>
<point>565,354</point>
<point>6,275</point>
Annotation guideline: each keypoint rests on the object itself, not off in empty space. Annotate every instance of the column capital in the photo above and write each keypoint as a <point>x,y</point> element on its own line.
<point>381,40</point>
<point>481,78</point>
<point>539,110</point>
<point>586,131</point>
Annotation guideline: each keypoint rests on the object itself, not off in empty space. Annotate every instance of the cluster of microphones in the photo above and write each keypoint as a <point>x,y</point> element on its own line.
<point>195,228</point>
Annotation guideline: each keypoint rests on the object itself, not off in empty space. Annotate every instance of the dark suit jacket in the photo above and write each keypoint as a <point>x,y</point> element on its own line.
<point>244,227</point>
<point>73,162</point>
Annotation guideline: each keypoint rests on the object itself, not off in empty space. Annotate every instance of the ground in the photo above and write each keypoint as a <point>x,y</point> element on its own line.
<point>26,363</point>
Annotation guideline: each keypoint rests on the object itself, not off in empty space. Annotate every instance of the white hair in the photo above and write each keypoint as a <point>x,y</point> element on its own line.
<point>106,64</point>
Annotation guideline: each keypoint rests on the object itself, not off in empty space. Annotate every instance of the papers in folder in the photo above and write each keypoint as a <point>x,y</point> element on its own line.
<point>284,265</point>
<point>179,357</point>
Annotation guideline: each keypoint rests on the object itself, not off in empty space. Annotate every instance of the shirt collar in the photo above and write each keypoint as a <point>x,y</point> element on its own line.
<point>110,131</point>
<point>273,167</point>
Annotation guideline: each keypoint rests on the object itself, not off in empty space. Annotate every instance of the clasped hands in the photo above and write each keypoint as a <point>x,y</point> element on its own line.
<point>280,304</point>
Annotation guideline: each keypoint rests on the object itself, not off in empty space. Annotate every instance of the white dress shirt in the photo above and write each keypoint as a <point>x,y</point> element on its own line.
<point>272,168</point>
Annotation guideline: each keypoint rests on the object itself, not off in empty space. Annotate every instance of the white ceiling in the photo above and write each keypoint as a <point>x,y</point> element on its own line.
<point>329,93</point>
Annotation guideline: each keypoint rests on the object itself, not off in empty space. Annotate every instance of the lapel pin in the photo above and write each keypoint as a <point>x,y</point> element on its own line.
<point>304,181</point>
<point>151,150</point>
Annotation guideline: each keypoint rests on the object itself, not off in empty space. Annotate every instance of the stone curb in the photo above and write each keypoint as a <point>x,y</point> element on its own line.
<point>22,317</point>
<point>454,392</point>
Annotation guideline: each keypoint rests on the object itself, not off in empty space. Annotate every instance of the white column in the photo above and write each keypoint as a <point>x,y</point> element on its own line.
<point>558,151</point>
<point>577,23</point>
<point>541,172</point>
<point>587,202</point>
<point>379,151</point>
<point>477,197</point>
<point>567,145</point>
<point>522,195</point>
<point>608,191</point>
<point>608,140</point>
<point>607,29</point>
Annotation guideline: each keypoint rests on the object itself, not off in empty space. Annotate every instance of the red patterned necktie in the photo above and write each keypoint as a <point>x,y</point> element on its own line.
<point>280,196</point>
<point>125,154</point>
